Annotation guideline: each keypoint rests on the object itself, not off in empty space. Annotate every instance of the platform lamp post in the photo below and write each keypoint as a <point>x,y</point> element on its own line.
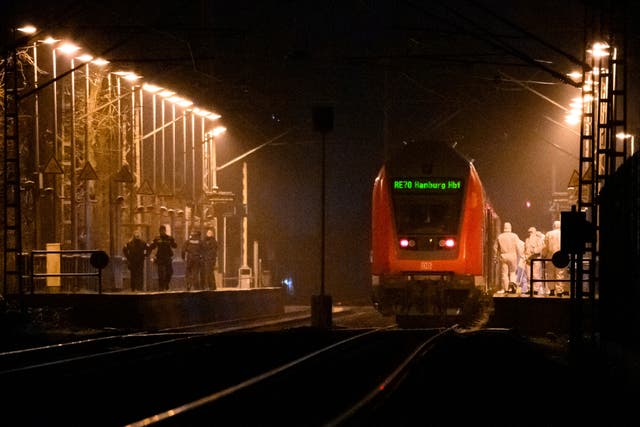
<point>321,305</point>
<point>212,137</point>
<point>206,159</point>
<point>88,170</point>
<point>56,212</point>
<point>29,30</point>
<point>70,49</point>
<point>124,175</point>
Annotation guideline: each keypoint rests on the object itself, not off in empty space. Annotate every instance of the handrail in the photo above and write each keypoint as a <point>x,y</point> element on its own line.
<point>543,280</point>
<point>32,274</point>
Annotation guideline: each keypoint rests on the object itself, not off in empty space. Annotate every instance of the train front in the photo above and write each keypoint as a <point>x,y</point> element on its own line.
<point>427,235</point>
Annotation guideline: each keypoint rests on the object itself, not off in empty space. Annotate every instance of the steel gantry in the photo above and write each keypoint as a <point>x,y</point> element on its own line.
<point>604,141</point>
<point>12,236</point>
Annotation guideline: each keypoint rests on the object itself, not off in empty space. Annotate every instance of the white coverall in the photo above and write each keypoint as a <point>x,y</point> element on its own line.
<point>533,247</point>
<point>551,246</point>
<point>507,251</point>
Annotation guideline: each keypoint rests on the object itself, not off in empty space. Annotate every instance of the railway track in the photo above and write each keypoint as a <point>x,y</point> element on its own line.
<point>326,387</point>
<point>138,374</point>
<point>297,376</point>
<point>139,382</point>
<point>30,357</point>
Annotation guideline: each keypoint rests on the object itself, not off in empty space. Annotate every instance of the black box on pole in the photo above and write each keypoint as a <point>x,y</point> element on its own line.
<point>322,118</point>
<point>321,311</point>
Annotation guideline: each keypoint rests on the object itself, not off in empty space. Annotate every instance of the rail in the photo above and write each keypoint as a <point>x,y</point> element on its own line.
<point>543,273</point>
<point>70,260</point>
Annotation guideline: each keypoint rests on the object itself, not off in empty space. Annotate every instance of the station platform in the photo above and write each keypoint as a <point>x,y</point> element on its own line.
<point>158,310</point>
<point>535,315</point>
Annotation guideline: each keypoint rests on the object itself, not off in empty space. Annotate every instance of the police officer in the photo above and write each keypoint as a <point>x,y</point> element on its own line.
<point>135,251</point>
<point>163,245</point>
<point>192,252</point>
<point>210,256</point>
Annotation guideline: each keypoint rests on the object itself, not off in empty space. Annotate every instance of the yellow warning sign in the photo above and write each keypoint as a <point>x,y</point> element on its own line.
<point>164,191</point>
<point>573,181</point>
<point>53,166</point>
<point>88,173</point>
<point>145,189</point>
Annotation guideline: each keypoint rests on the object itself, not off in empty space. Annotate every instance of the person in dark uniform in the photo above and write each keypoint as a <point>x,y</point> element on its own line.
<point>192,252</point>
<point>163,245</point>
<point>209,258</point>
<point>135,251</point>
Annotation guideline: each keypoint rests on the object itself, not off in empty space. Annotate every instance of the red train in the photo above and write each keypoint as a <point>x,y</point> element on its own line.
<point>433,229</point>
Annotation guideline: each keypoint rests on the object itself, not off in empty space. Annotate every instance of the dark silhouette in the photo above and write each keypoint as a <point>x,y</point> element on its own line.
<point>164,256</point>
<point>135,251</point>
<point>209,258</point>
<point>192,256</point>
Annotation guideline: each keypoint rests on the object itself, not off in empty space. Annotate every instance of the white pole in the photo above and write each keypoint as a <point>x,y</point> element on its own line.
<point>224,248</point>
<point>72,141</point>
<point>244,214</point>
<point>256,268</point>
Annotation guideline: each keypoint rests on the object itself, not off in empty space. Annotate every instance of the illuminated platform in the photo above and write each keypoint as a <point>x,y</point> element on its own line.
<point>157,310</point>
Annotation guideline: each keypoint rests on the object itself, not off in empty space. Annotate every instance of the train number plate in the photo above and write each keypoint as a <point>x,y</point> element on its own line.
<point>426,265</point>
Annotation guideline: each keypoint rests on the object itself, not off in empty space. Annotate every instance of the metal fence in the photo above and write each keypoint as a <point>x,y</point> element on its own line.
<point>66,271</point>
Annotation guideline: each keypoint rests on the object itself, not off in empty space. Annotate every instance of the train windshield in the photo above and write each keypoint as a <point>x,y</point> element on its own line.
<point>420,214</point>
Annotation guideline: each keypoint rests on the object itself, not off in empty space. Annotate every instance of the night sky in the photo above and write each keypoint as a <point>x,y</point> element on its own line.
<point>393,71</point>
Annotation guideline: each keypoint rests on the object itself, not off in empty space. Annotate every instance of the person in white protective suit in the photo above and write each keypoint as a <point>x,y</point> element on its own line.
<point>507,251</point>
<point>533,247</point>
<point>522,280</point>
<point>551,246</point>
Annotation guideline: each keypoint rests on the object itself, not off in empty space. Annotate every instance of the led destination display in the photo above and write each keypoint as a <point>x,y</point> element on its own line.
<point>426,185</point>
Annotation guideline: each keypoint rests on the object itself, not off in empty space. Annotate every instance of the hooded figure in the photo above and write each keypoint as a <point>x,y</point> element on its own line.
<point>507,250</point>
<point>135,251</point>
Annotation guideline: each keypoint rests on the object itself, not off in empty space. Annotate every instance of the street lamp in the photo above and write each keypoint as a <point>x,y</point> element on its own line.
<point>167,94</point>
<point>87,60</point>
<point>30,29</point>
<point>133,145</point>
<point>215,133</point>
<point>36,137</point>
<point>209,172</point>
<point>70,49</point>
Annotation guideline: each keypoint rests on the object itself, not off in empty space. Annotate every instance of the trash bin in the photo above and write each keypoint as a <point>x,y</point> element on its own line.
<point>53,267</point>
<point>244,277</point>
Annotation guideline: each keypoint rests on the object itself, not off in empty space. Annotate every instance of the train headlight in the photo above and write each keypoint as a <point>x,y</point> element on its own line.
<point>447,243</point>
<point>406,243</point>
